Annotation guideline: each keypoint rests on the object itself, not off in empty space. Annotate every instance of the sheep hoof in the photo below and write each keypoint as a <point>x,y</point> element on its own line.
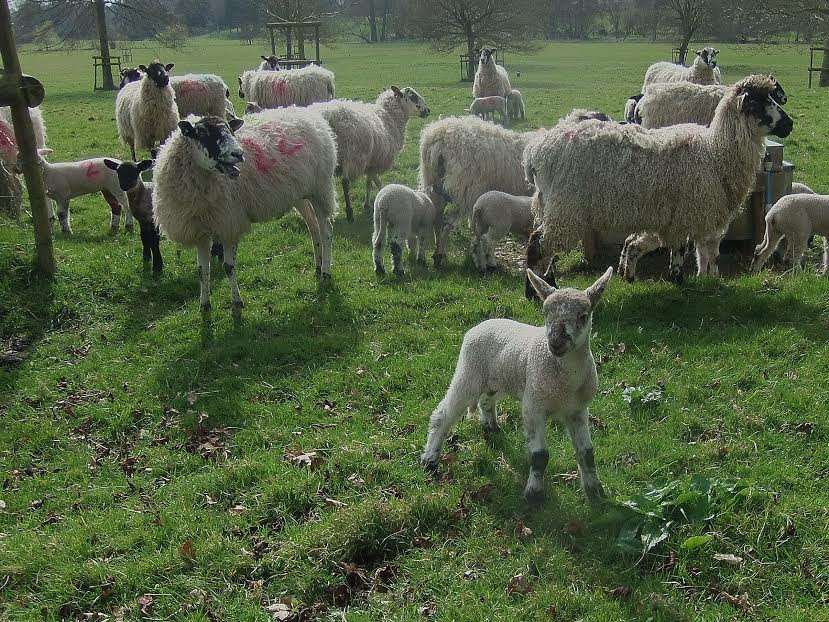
<point>157,270</point>
<point>325,277</point>
<point>399,272</point>
<point>594,493</point>
<point>238,305</point>
<point>129,228</point>
<point>113,231</point>
<point>206,307</point>
<point>430,462</point>
<point>491,269</point>
<point>534,496</point>
<point>378,269</point>
<point>677,278</point>
<point>490,429</point>
<point>438,259</point>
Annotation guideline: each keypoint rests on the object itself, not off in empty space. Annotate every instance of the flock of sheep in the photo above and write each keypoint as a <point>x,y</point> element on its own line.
<point>679,167</point>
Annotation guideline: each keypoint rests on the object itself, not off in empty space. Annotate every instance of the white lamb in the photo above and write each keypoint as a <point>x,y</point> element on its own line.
<point>145,111</point>
<point>8,142</point>
<point>210,184</point>
<point>490,78</point>
<point>66,180</point>
<point>797,217</point>
<point>292,87</point>
<point>405,215</point>
<point>486,107</point>
<point>369,136</point>
<point>494,215</point>
<point>202,94</point>
<point>549,368</point>
<point>607,178</point>
<point>515,105</point>
<point>701,70</point>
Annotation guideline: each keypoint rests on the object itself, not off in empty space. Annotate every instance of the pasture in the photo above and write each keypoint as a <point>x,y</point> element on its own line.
<point>161,467</point>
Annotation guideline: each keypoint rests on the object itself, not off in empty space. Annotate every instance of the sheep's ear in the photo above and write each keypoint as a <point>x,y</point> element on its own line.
<point>144,165</point>
<point>741,102</point>
<point>541,287</point>
<point>143,68</point>
<point>187,129</point>
<point>112,164</point>
<point>595,291</point>
<point>264,58</point>
<point>396,90</point>
<point>716,51</point>
<point>169,66</point>
<point>235,124</point>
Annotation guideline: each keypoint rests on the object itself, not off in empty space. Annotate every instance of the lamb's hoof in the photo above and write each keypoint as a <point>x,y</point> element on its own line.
<point>325,278</point>
<point>113,231</point>
<point>492,269</point>
<point>129,228</point>
<point>67,233</point>
<point>206,307</point>
<point>379,270</point>
<point>676,278</point>
<point>238,305</point>
<point>490,429</point>
<point>594,493</point>
<point>535,496</point>
<point>399,273</point>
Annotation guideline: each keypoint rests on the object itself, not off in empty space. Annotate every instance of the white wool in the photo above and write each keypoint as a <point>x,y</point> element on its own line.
<point>490,79</point>
<point>699,72</point>
<point>202,94</point>
<point>493,216</point>
<point>515,105</point>
<point>674,103</point>
<point>487,106</point>
<point>408,217</point>
<point>145,114</point>
<point>795,217</point>
<point>290,87</point>
<point>8,142</point>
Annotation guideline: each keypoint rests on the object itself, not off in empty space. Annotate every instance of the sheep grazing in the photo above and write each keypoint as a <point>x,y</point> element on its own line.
<point>490,78</point>
<point>549,368</point>
<point>8,141</point>
<point>701,70</point>
<point>201,94</point>
<point>210,184</point>
<point>406,215</point>
<point>66,180</point>
<point>145,111</point>
<point>140,197</point>
<point>369,136</point>
<point>269,63</point>
<point>292,87</point>
<point>486,107</point>
<point>493,216</point>
<point>797,217</point>
<point>515,105</point>
<point>607,178</point>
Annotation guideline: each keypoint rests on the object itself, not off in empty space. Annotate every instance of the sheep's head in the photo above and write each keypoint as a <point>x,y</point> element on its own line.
<point>216,146</point>
<point>708,56</point>
<point>129,75</point>
<point>128,172</point>
<point>252,107</point>
<point>778,94</point>
<point>755,99</point>
<point>158,73</point>
<point>486,55</point>
<point>272,61</point>
<point>568,313</point>
<point>413,103</point>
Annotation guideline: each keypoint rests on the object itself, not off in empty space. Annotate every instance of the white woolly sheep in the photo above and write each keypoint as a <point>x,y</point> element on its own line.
<point>406,215</point>
<point>66,180</point>
<point>611,178</point>
<point>549,368</point>
<point>493,216</point>
<point>269,63</point>
<point>490,78</point>
<point>637,245</point>
<point>145,111</point>
<point>201,94</point>
<point>210,184</point>
<point>292,87</point>
<point>8,142</point>
<point>701,70</point>
<point>515,105</point>
<point>369,136</point>
<point>800,188</point>
<point>486,107</point>
<point>797,217</point>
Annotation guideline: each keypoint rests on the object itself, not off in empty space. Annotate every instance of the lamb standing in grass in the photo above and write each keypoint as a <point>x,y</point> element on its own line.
<point>486,107</point>
<point>550,369</point>
<point>701,70</point>
<point>210,184</point>
<point>406,215</point>
<point>515,105</point>
<point>494,215</point>
<point>797,217</point>
<point>292,87</point>
<point>490,78</point>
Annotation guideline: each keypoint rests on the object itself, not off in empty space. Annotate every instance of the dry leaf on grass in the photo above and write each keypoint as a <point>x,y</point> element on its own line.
<point>519,584</point>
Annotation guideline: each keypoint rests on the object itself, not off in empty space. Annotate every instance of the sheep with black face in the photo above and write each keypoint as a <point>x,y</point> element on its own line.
<point>269,63</point>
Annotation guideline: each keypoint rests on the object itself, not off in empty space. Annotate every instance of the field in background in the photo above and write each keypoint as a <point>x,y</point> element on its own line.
<point>155,465</point>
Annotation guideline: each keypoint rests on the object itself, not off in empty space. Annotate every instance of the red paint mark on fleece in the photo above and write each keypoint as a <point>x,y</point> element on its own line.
<point>280,87</point>
<point>8,145</point>
<point>264,163</point>
<point>273,134</point>
<point>187,87</point>
<point>91,170</point>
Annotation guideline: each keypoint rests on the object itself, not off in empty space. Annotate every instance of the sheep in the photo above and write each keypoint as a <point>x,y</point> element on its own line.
<point>66,180</point>
<point>130,74</point>
<point>611,178</point>
<point>369,136</point>
<point>800,188</point>
<point>493,216</point>
<point>550,369</point>
<point>797,217</point>
<point>140,197</point>
<point>209,184</point>
<point>202,94</point>
<point>485,107</point>
<point>701,70</point>
<point>630,108</point>
<point>293,87</point>
<point>407,216</point>
<point>515,105</point>
<point>269,63</point>
<point>637,245</point>
<point>145,111</point>
<point>491,78</point>
<point>8,141</point>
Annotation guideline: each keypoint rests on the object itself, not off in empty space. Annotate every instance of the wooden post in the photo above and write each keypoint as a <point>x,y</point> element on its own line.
<point>106,67</point>
<point>317,39</point>
<point>273,41</point>
<point>25,136</point>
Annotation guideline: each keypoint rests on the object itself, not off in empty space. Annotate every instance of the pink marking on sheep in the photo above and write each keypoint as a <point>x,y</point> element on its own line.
<point>8,144</point>
<point>187,87</point>
<point>263,162</point>
<point>91,170</point>
<point>280,88</point>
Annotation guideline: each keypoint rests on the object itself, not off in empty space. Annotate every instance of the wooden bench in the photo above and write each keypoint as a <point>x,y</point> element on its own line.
<point>812,69</point>
<point>98,63</point>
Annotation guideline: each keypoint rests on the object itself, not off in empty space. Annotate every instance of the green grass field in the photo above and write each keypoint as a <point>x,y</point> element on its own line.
<point>156,466</point>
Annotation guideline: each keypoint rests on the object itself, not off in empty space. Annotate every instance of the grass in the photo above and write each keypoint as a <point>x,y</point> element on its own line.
<point>158,466</point>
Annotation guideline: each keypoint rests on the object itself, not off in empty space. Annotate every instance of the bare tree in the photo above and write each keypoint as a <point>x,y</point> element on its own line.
<point>689,17</point>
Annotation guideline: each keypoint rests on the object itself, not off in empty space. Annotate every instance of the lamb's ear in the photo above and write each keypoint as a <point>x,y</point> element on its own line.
<point>264,58</point>
<point>396,90</point>
<point>144,165</point>
<point>187,129</point>
<point>541,287</point>
<point>716,51</point>
<point>595,291</point>
<point>235,124</point>
<point>111,164</point>
<point>169,66</point>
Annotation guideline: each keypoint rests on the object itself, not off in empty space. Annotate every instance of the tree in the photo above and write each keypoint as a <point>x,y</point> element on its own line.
<point>689,17</point>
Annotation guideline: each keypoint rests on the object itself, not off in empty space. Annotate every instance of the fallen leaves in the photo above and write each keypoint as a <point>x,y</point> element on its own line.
<point>728,558</point>
<point>209,442</point>
<point>310,459</point>
<point>145,604</point>
<point>187,552</point>
<point>519,585</point>
<point>522,532</point>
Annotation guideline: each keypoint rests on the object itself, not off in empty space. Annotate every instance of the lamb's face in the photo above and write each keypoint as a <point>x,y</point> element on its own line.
<point>272,61</point>
<point>216,147</point>
<point>413,103</point>
<point>128,172</point>
<point>129,75</point>
<point>708,56</point>
<point>158,73</point>
<point>757,101</point>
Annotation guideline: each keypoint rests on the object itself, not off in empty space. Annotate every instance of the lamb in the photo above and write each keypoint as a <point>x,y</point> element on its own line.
<point>637,245</point>
<point>701,70</point>
<point>550,369</point>
<point>515,105</point>
<point>269,63</point>
<point>797,217</point>
<point>407,216</point>
<point>369,136</point>
<point>140,197</point>
<point>130,74</point>
<point>493,216</point>
<point>491,78</point>
<point>800,188</point>
<point>8,141</point>
<point>630,108</point>
<point>611,178</point>
<point>210,184</point>
<point>66,180</point>
<point>145,111</point>
<point>485,107</point>
<point>202,94</point>
<point>293,87</point>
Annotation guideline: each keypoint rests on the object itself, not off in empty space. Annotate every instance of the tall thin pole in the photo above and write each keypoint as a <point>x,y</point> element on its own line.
<point>25,136</point>
<point>106,64</point>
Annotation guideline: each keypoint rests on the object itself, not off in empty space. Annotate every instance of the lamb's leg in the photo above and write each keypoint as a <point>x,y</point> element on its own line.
<point>623,257</point>
<point>203,258</point>
<point>378,239</point>
<point>825,270</point>
<point>443,419</point>
<point>230,271</point>
<point>146,242</point>
<point>578,426</point>
<point>396,247</point>
<point>115,208</point>
<point>477,248</point>
<point>158,264</point>
<point>677,259</point>
<point>421,250</point>
<point>326,242</point>
<point>535,425</point>
<point>533,259</point>
<point>349,212</point>
<point>63,216</point>
<point>488,412</point>
<point>368,206</point>
<point>413,248</point>
<point>708,251</point>
<point>129,225</point>
<point>798,251</point>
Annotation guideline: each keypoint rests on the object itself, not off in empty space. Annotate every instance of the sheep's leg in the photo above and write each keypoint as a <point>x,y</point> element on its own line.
<point>825,270</point>
<point>63,216</point>
<point>708,251</point>
<point>535,424</point>
<point>349,212</point>
<point>326,242</point>
<point>488,412</point>
<point>532,259</point>
<point>798,252</point>
<point>378,239</point>
<point>396,247</point>
<point>444,418</point>
<point>578,426</point>
<point>413,248</point>
<point>158,264</point>
<point>230,271</point>
<point>132,151</point>
<point>368,205</point>
<point>307,213</point>
<point>421,250</point>
<point>203,258</point>
<point>677,258</point>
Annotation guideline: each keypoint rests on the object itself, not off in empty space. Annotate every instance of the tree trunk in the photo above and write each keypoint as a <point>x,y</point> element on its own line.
<point>385,19</point>
<point>372,21</point>
<point>470,49</point>
<point>683,48</point>
<point>824,67</point>
<point>101,17</point>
